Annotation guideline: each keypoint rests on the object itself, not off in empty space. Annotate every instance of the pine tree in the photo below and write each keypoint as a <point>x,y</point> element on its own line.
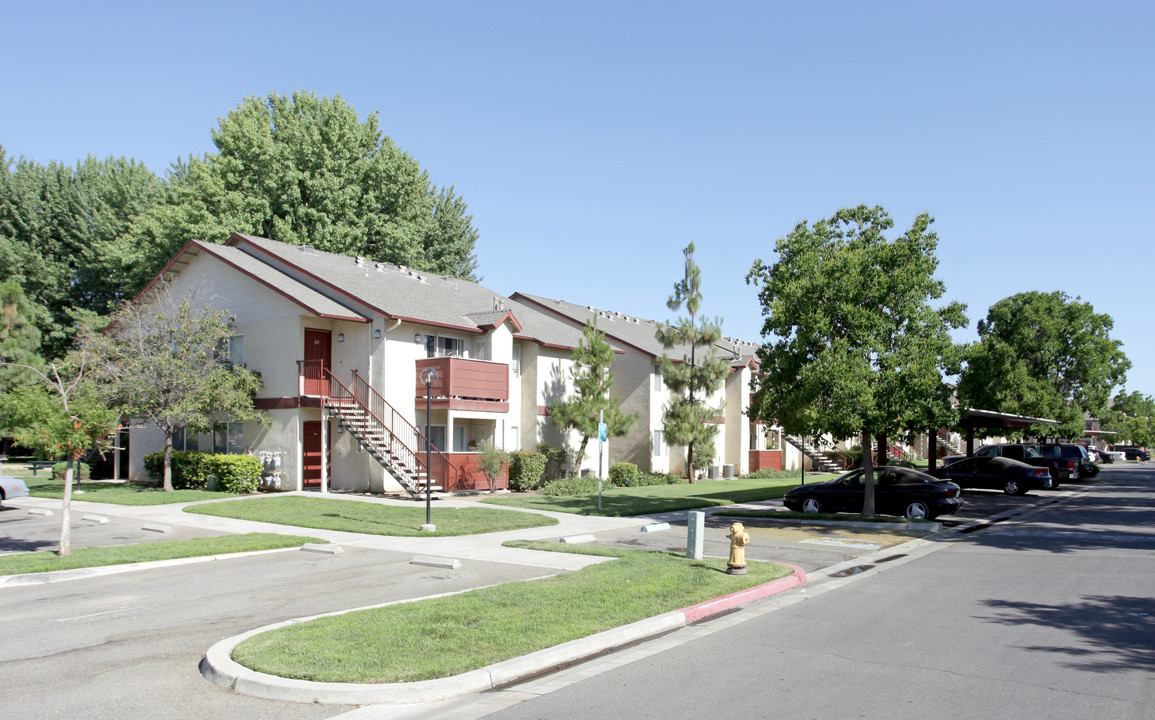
<point>19,337</point>
<point>699,374</point>
<point>592,383</point>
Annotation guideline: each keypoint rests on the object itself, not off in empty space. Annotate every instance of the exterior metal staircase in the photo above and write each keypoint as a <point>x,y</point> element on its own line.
<point>388,437</point>
<point>953,442</point>
<point>820,455</point>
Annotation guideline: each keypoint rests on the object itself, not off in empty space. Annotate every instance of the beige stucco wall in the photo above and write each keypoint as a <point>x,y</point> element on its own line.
<point>269,323</point>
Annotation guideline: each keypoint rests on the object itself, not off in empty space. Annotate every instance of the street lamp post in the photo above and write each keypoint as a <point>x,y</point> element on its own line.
<point>429,379</point>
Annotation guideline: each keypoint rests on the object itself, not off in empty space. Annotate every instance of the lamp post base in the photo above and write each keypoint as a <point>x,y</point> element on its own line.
<point>428,528</point>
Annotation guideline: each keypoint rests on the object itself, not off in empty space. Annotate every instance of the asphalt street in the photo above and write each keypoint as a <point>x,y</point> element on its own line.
<point>1045,615</point>
<point>130,644</point>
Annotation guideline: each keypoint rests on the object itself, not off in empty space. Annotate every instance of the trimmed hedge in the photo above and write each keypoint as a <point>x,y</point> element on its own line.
<point>624,474</point>
<point>80,471</point>
<point>192,471</point>
<point>587,485</point>
<point>525,470</point>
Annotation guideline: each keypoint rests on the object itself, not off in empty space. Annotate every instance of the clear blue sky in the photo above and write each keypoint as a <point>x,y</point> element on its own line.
<point>594,140</point>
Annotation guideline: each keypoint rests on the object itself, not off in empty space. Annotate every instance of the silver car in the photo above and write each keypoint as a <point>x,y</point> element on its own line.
<point>11,487</point>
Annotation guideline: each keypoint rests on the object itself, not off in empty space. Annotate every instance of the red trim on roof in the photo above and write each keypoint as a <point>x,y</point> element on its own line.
<point>279,291</point>
<point>238,237</point>
<point>519,296</point>
<point>508,316</point>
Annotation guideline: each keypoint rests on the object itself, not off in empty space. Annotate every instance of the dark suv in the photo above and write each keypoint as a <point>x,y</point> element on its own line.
<point>1132,452</point>
<point>1070,451</point>
<point>1061,469</point>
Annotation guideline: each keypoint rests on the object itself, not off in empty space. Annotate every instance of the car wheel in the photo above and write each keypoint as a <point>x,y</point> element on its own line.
<point>1013,488</point>
<point>811,505</point>
<point>918,510</point>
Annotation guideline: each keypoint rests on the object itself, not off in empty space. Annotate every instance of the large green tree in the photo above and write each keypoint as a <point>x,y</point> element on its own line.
<point>694,377</point>
<point>1132,418</point>
<point>64,237</point>
<point>61,416</point>
<point>591,400</point>
<point>1044,355</point>
<point>853,344</point>
<point>305,170</point>
<point>19,337</point>
<point>164,359</point>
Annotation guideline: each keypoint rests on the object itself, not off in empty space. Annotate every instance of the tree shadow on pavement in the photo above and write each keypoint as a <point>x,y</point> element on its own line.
<point>1118,631</point>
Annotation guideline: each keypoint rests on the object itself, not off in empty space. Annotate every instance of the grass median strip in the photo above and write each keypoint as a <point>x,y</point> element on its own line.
<point>372,518</point>
<point>118,493</point>
<point>651,499</point>
<point>48,561</point>
<point>448,636</point>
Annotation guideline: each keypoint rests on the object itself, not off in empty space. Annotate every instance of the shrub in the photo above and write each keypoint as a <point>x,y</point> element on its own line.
<point>491,460</point>
<point>624,474</point>
<point>555,459</point>
<point>80,471</point>
<point>192,470</point>
<point>587,485</point>
<point>525,470</point>
<point>771,474</point>
<point>235,473</point>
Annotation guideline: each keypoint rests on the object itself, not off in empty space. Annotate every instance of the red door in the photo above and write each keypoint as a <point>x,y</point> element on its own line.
<point>311,462</point>
<point>318,359</point>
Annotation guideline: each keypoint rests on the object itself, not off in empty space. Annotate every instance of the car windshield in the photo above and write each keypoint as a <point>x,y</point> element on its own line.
<point>1030,452</point>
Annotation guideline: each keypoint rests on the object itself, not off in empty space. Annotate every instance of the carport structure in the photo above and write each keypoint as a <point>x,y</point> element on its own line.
<point>988,420</point>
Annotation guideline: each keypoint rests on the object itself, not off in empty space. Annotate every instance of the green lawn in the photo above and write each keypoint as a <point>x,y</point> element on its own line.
<point>48,561</point>
<point>121,493</point>
<point>104,491</point>
<point>371,518</point>
<point>651,499</point>
<point>447,636</point>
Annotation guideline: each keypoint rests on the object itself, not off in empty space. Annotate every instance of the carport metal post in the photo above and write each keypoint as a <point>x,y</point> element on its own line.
<point>428,378</point>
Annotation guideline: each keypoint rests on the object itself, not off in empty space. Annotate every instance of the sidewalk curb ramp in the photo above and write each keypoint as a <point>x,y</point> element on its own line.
<point>218,666</point>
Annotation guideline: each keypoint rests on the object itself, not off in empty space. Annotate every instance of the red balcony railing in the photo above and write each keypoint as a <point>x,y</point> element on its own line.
<point>465,379</point>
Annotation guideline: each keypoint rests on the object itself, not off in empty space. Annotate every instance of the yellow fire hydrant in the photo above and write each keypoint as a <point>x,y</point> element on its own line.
<point>738,540</point>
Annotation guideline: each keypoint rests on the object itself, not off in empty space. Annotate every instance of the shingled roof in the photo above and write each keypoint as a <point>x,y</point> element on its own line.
<point>637,333</point>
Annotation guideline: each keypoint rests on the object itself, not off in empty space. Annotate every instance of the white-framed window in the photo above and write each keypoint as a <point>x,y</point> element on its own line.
<point>443,346</point>
<point>459,444</point>
<point>659,384</point>
<point>660,447</point>
<point>229,438</point>
<point>515,363</point>
<point>232,349</point>
<point>515,434</point>
<point>184,440</point>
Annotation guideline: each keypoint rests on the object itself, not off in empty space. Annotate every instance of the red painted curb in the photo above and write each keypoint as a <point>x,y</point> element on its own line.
<point>694,613</point>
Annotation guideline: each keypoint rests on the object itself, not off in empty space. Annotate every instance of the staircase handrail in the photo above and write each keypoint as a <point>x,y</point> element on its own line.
<point>821,444</point>
<point>402,432</point>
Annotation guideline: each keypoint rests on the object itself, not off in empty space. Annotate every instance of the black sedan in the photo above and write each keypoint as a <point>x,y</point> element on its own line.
<point>897,491</point>
<point>999,473</point>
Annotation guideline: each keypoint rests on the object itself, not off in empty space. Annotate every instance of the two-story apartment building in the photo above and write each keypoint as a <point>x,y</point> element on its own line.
<point>341,343</point>
<point>740,443</point>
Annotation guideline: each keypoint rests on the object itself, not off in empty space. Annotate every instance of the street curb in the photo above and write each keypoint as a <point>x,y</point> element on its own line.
<point>219,668</point>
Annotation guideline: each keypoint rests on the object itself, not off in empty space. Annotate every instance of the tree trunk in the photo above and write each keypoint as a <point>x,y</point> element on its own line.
<point>690,463</point>
<point>883,451</point>
<point>867,476</point>
<point>66,509</point>
<point>168,462</point>
<point>581,455</point>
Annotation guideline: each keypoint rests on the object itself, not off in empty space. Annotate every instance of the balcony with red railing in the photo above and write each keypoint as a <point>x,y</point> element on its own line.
<point>465,384</point>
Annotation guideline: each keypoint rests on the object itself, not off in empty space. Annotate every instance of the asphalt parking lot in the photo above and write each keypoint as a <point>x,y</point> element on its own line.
<point>22,531</point>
